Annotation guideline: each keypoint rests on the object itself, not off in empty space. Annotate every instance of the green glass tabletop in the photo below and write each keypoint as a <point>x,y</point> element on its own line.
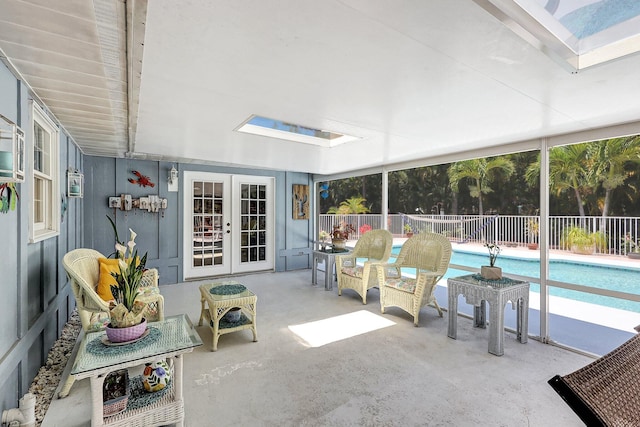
<point>174,333</point>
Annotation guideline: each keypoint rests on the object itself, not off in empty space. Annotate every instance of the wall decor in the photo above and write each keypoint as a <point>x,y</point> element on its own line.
<point>11,151</point>
<point>151,203</point>
<point>8,197</point>
<point>142,181</point>
<point>75,183</point>
<point>300,201</point>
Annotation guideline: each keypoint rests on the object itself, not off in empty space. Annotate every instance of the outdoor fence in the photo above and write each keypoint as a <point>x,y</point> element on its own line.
<point>612,235</point>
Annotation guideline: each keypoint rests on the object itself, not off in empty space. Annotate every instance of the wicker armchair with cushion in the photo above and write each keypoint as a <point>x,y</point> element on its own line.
<point>426,257</point>
<point>90,276</point>
<point>373,246</point>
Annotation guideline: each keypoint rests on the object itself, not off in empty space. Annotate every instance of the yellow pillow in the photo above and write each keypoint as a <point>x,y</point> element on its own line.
<point>107,266</point>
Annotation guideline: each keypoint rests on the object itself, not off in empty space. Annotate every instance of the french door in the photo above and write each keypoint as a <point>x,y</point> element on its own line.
<point>228,225</point>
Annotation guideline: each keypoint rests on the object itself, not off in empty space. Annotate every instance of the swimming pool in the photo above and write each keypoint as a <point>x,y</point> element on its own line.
<point>580,273</point>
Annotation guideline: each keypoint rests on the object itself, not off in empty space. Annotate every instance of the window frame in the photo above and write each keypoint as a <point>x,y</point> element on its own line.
<point>48,183</point>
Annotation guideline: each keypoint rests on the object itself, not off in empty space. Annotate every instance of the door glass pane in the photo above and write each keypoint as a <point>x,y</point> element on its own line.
<point>207,224</point>
<point>208,189</point>
<point>253,226</point>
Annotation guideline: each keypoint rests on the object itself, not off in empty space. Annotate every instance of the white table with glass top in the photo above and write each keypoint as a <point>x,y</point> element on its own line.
<point>167,339</point>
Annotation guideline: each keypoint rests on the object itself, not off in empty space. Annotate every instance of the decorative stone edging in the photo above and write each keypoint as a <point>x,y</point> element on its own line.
<point>46,382</point>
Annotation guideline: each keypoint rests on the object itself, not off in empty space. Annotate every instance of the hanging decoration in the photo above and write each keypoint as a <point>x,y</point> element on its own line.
<point>142,181</point>
<point>324,190</point>
<point>64,205</point>
<point>10,199</point>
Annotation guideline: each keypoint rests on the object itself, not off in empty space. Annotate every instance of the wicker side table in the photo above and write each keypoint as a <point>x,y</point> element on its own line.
<point>215,306</point>
<point>497,294</point>
<point>172,338</point>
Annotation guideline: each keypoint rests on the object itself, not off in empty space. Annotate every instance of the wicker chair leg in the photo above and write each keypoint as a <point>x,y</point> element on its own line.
<point>66,388</point>
<point>435,304</point>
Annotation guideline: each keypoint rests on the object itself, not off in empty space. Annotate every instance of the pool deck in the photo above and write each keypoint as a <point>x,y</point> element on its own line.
<point>593,328</point>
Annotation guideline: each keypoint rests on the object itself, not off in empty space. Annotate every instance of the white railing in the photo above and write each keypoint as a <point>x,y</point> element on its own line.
<point>508,230</point>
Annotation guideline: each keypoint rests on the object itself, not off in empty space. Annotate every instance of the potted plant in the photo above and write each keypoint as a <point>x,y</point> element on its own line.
<point>491,272</point>
<point>630,247</point>
<point>340,235</point>
<point>115,392</point>
<point>126,313</point>
<point>408,230</point>
<point>323,239</point>
<point>582,241</point>
<point>634,254</point>
<point>533,228</point>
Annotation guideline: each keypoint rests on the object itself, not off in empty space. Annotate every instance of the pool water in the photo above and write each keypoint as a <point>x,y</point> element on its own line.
<point>580,273</point>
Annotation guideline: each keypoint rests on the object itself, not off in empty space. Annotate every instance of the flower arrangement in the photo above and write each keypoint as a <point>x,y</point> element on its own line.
<point>125,310</point>
<point>494,251</point>
<point>342,231</point>
<point>364,228</point>
<point>323,235</point>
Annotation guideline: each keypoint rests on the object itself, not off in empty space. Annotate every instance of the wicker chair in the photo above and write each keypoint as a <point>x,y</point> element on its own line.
<point>426,254</point>
<point>374,246</point>
<point>605,392</point>
<point>83,269</point>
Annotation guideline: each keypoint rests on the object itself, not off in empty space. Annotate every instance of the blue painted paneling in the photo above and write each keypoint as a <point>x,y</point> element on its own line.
<point>36,300</point>
<point>160,235</point>
<point>298,230</point>
<point>9,265</point>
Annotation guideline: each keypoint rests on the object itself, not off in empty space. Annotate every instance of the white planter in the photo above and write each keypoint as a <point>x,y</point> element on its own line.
<point>583,249</point>
<point>491,273</point>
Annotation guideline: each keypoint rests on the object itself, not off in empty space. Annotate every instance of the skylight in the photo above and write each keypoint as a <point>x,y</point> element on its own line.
<point>578,33</point>
<point>264,126</point>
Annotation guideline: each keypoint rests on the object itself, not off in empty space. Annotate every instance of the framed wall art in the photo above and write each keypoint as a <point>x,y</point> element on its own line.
<point>300,201</point>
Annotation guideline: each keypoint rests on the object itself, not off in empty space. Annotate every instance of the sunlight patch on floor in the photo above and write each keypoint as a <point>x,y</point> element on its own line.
<point>337,328</point>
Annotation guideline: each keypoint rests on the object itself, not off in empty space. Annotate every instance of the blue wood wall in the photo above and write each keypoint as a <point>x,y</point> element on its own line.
<point>36,297</point>
<point>160,235</point>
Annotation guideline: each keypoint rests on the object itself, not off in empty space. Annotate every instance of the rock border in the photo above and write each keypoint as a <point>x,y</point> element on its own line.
<point>46,382</point>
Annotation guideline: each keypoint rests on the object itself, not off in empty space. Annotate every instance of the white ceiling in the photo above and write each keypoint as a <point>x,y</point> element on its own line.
<point>414,79</point>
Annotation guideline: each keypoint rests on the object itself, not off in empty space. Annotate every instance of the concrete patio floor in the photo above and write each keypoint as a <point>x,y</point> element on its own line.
<point>398,375</point>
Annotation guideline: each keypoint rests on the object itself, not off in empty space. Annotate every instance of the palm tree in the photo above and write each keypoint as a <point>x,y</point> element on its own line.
<point>353,205</point>
<point>609,159</point>
<point>481,172</point>
<point>568,170</point>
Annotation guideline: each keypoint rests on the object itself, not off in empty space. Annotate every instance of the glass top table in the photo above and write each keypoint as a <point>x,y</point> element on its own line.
<point>173,335</point>
<point>217,299</point>
<point>167,339</point>
<point>479,291</point>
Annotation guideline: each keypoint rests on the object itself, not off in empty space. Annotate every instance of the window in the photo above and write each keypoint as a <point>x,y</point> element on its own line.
<point>577,33</point>
<point>46,192</point>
